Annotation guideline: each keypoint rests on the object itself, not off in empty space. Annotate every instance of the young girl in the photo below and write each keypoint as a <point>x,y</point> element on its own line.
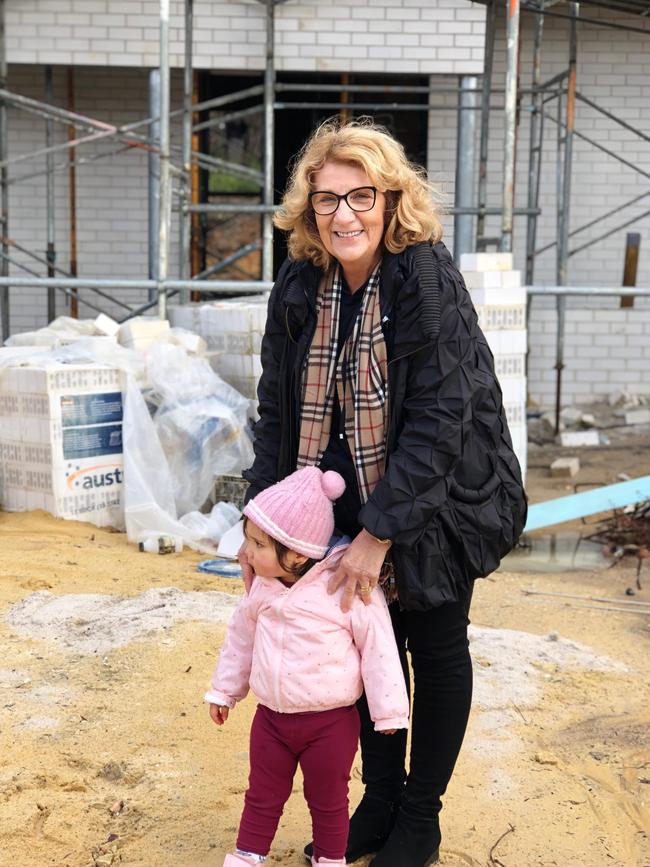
<point>308,663</point>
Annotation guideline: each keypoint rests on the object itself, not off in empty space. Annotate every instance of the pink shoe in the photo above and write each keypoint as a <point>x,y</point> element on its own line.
<point>242,861</point>
<point>314,863</point>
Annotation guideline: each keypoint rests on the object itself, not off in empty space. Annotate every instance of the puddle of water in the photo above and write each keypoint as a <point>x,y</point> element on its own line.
<point>557,552</point>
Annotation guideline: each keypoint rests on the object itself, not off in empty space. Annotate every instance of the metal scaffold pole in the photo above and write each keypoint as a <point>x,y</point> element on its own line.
<point>72,195</point>
<point>153,162</point>
<point>4,188</point>
<point>165,173</point>
<point>512,55</point>
<point>269,143</point>
<point>185,217</point>
<point>465,160</point>
<point>490,32</point>
<point>535,147</point>
<point>49,199</point>
<point>563,204</point>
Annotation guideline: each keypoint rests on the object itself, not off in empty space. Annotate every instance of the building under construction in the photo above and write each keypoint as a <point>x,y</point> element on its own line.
<point>144,145</point>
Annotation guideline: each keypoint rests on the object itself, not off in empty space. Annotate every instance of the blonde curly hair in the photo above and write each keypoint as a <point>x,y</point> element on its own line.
<point>413,206</point>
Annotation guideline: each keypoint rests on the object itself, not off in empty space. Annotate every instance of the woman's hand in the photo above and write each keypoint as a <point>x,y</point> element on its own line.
<point>387,731</point>
<point>359,568</point>
<point>218,713</point>
<point>246,569</point>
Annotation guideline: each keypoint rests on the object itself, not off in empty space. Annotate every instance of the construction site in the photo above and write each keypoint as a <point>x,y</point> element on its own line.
<point>145,146</point>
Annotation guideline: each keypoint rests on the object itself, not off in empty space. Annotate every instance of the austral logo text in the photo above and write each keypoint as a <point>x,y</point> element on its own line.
<point>99,476</point>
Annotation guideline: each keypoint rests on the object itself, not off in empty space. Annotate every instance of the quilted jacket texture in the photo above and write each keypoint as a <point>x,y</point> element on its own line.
<point>452,492</point>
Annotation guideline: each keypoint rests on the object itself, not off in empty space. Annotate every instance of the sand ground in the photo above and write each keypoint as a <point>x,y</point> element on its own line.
<point>107,754</point>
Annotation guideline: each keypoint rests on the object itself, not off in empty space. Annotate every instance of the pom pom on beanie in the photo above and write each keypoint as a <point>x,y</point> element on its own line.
<point>333,484</point>
<point>298,510</point>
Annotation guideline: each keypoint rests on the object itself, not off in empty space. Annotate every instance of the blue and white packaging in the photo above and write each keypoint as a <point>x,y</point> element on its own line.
<point>61,441</point>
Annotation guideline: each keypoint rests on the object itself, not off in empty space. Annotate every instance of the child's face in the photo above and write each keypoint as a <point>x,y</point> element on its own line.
<point>260,551</point>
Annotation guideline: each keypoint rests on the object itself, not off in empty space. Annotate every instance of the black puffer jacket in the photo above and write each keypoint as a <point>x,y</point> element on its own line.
<point>442,395</point>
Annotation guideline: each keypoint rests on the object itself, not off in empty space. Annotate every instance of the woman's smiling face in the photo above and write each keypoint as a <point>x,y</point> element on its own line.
<point>353,238</point>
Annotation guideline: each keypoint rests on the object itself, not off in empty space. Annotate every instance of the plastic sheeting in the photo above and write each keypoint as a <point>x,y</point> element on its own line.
<point>182,427</point>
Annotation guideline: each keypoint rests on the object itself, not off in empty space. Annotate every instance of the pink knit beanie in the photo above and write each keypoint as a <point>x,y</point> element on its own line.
<point>298,510</point>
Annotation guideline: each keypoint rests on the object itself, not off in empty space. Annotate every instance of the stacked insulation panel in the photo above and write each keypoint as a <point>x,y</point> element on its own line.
<point>61,441</point>
<point>500,302</point>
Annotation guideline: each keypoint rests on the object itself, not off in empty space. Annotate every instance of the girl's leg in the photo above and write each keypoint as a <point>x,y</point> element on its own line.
<point>331,740</point>
<point>272,768</point>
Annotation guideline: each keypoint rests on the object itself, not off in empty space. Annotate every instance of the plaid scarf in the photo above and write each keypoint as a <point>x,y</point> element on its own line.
<point>360,378</point>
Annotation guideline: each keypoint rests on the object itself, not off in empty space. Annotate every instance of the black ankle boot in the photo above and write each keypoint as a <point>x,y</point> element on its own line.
<point>370,827</point>
<point>413,842</point>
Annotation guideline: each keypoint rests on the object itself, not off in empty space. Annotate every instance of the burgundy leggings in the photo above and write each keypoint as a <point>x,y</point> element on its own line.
<point>324,744</point>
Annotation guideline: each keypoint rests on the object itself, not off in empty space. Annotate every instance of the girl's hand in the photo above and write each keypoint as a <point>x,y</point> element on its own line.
<point>359,569</point>
<point>388,731</point>
<point>246,569</point>
<point>218,713</point>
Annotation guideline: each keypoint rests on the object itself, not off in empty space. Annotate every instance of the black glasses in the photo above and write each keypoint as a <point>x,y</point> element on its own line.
<point>360,199</point>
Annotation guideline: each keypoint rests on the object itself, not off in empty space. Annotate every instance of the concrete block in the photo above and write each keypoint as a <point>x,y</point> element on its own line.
<point>511,342</point>
<point>565,468</point>
<point>513,389</point>
<point>637,416</point>
<point>497,296</point>
<point>140,333</point>
<point>486,262</point>
<point>577,438</point>
<point>493,280</point>
<point>501,317</point>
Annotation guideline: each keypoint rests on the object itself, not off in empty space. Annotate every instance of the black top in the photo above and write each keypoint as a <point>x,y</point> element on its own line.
<point>337,455</point>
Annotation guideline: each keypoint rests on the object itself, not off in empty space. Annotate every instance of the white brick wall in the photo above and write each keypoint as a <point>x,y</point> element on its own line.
<point>411,35</point>
<point>610,71</point>
<point>605,346</point>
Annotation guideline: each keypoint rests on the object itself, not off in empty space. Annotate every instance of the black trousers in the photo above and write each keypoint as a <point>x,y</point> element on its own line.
<point>436,641</point>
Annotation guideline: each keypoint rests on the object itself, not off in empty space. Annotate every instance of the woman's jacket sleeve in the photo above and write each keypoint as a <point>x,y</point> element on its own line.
<point>437,389</point>
<point>264,471</point>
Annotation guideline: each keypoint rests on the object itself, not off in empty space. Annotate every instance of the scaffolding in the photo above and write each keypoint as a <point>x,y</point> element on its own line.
<point>169,165</point>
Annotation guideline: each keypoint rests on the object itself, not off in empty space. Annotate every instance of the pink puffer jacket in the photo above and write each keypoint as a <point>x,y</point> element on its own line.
<point>299,652</point>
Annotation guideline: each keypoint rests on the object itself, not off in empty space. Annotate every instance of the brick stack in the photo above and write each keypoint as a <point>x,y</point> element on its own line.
<point>500,302</point>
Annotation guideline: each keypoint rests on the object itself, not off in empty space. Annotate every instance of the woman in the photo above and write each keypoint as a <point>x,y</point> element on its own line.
<point>352,381</point>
